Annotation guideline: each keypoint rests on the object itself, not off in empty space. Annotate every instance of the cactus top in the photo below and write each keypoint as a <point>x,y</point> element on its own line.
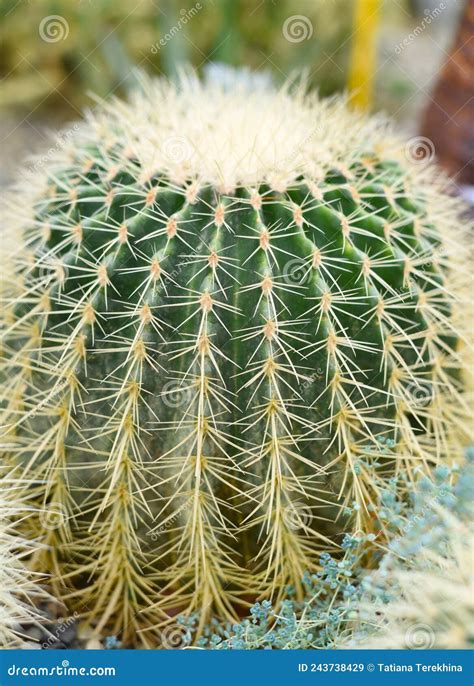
<point>229,137</point>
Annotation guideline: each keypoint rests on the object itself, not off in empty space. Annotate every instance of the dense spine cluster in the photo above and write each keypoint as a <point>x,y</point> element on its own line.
<point>192,370</point>
<point>20,589</point>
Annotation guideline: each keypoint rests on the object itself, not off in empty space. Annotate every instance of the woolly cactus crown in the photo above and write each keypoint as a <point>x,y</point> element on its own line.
<point>228,136</point>
<point>224,298</point>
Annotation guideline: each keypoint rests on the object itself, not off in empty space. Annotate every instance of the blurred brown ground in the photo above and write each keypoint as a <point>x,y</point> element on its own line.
<point>449,118</point>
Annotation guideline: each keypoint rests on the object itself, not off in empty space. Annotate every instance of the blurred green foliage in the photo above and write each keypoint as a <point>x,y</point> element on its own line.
<point>98,42</point>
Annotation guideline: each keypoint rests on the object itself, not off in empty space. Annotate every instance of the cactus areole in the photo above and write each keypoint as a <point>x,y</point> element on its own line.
<point>225,299</point>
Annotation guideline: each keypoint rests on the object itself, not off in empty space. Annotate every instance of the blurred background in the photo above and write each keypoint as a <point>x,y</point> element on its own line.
<point>399,56</point>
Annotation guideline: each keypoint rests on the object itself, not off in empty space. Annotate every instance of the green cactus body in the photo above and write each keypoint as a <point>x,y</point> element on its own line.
<point>199,373</point>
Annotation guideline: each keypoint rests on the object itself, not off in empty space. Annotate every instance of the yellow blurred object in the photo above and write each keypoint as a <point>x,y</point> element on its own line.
<point>364,52</point>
